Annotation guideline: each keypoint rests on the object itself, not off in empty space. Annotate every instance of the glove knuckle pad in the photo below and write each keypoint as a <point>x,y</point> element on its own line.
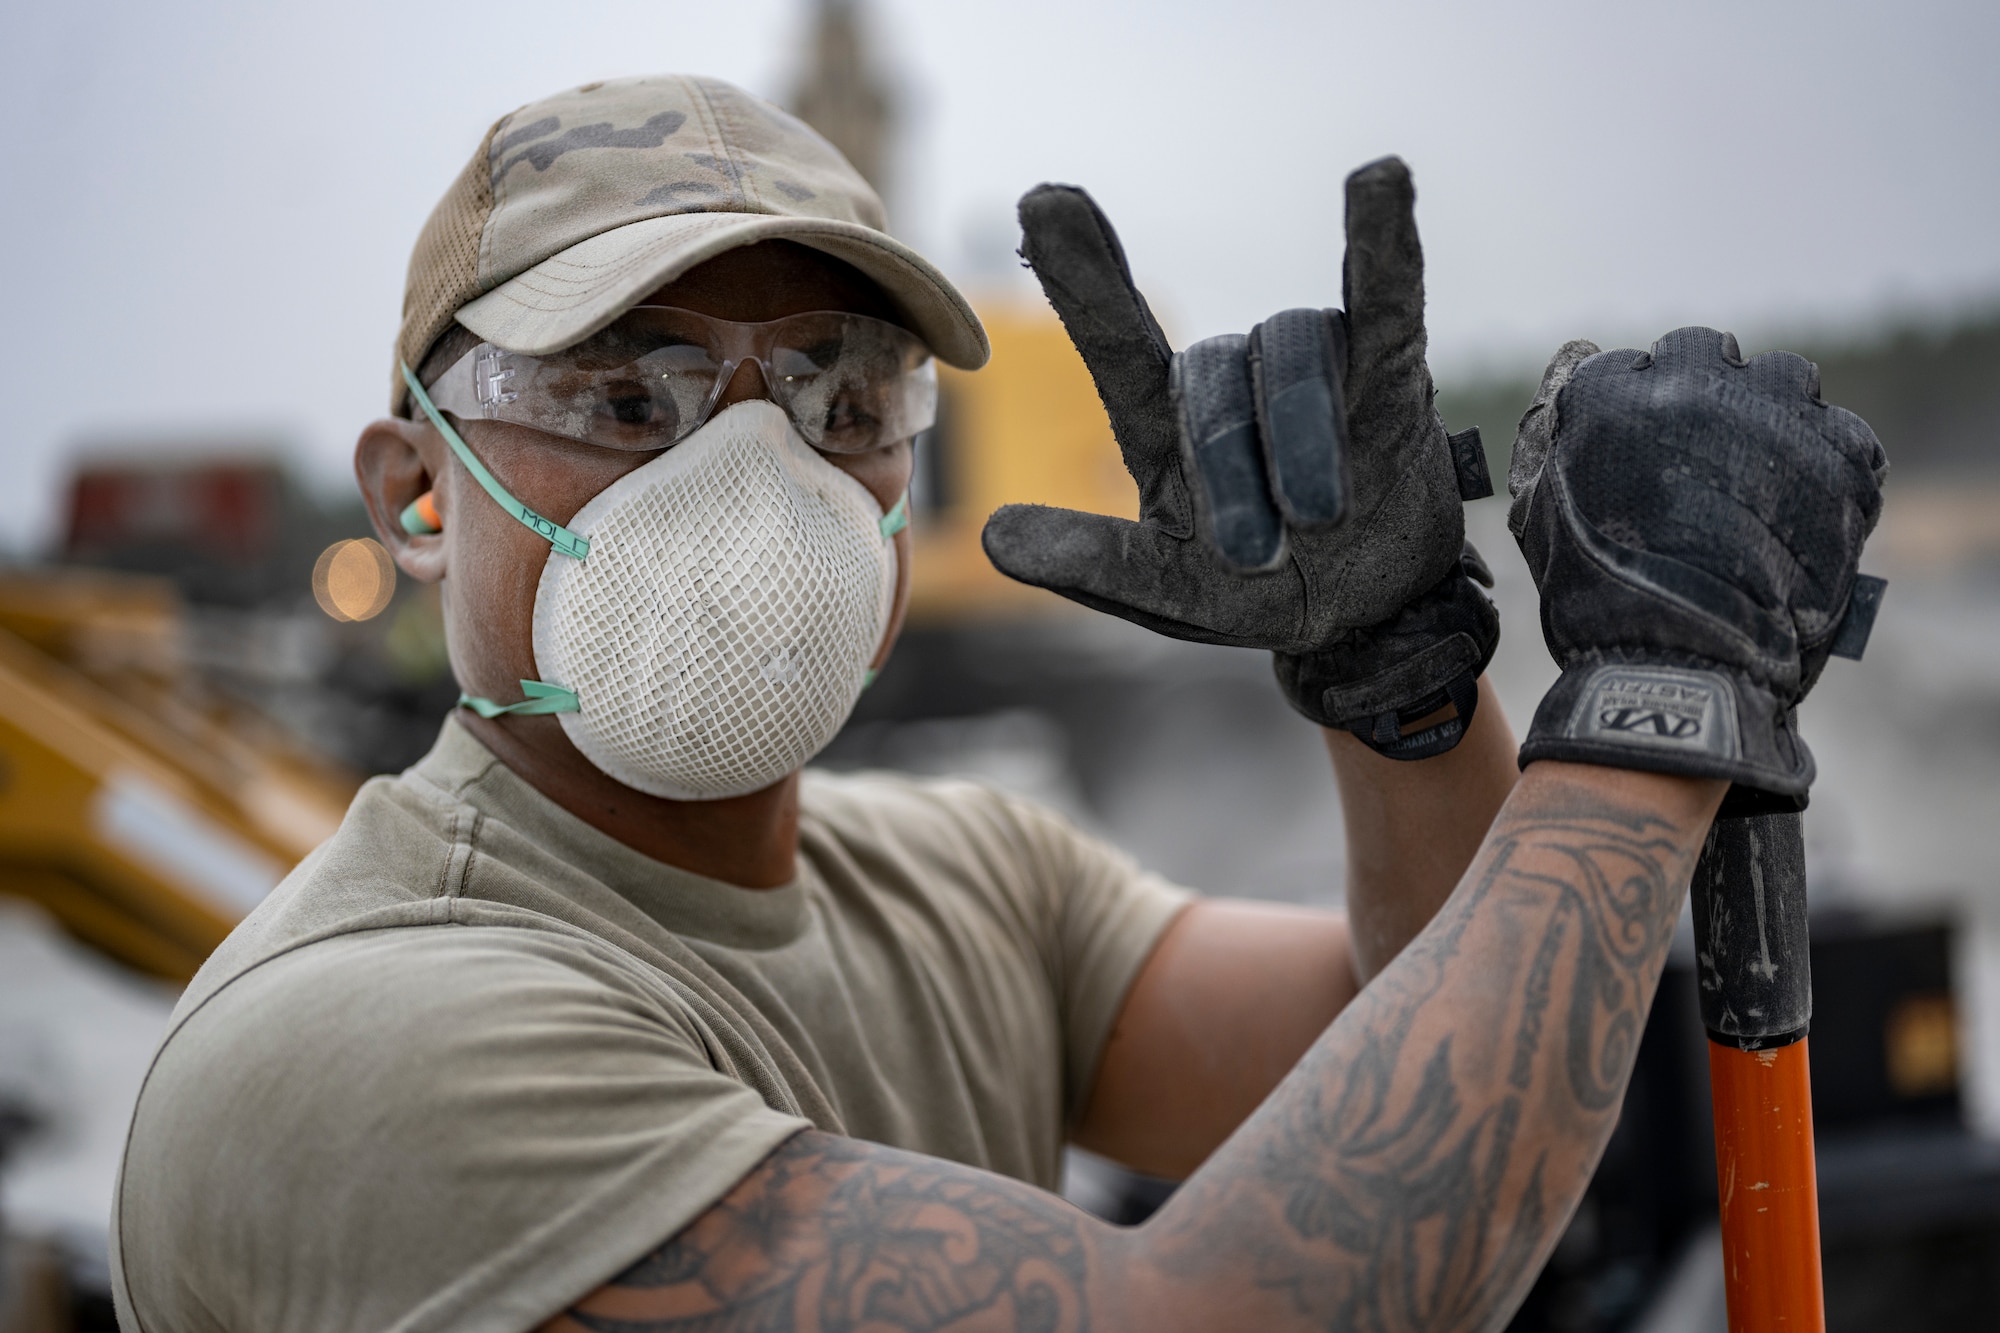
<point>1295,362</point>
<point>1212,390</point>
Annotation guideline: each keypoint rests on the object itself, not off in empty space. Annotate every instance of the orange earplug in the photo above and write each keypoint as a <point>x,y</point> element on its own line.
<point>420,517</point>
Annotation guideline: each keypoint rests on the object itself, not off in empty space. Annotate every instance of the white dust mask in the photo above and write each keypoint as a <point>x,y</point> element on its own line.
<point>720,631</point>
<point>705,623</point>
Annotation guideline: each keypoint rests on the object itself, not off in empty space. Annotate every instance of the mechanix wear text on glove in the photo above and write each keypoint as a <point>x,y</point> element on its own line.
<point>1297,490</point>
<point>1693,522</point>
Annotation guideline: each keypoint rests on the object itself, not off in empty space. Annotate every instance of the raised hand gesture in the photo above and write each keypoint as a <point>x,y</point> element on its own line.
<point>1297,490</point>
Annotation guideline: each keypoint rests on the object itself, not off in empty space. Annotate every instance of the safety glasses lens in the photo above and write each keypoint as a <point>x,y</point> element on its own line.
<point>850,383</point>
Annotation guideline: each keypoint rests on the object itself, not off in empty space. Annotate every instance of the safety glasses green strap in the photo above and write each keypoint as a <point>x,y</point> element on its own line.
<point>558,536</point>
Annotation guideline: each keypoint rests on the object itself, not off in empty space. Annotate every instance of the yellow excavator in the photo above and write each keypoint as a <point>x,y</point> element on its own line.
<point>141,813</point>
<point>1027,427</point>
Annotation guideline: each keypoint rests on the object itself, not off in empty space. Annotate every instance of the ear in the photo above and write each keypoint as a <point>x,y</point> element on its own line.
<point>396,461</point>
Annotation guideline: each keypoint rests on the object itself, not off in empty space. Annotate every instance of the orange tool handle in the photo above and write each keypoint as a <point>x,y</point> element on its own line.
<point>1766,1188</point>
<point>1754,966</point>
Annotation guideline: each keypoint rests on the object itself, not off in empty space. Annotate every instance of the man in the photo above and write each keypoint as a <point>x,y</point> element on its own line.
<point>605,1017</point>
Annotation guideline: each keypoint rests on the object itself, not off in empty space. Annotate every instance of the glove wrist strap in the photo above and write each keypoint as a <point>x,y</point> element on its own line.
<point>1687,717</point>
<point>1373,682</point>
<point>1383,733</point>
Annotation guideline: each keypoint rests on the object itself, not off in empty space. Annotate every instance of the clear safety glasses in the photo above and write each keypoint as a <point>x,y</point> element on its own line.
<point>849,383</point>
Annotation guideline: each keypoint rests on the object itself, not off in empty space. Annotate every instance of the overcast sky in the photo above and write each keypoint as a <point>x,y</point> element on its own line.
<point>208,205</point>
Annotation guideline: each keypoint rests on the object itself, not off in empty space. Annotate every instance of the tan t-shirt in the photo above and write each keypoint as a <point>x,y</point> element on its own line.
<point>473,1058</point>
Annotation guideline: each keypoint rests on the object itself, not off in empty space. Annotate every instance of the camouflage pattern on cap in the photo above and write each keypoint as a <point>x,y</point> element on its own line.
<point>577,206</point>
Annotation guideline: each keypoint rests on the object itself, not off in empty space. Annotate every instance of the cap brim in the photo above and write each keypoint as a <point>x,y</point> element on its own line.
<point>571,295</point>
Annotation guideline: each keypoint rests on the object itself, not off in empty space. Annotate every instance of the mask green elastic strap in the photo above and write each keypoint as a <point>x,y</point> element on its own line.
<point>892,523</point>
<point>898,518</point>
<point>548,529</point>
<point>542,698</point>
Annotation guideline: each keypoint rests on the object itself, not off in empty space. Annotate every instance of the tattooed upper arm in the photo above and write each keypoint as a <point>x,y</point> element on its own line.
<point>833,1234</point>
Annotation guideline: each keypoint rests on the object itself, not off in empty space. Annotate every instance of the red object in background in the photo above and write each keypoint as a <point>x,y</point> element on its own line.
<point>1767,1189</point>
<point>226,510</point>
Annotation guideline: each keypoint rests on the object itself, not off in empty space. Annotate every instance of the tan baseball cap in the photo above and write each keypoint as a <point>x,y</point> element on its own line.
<point>579,205</point>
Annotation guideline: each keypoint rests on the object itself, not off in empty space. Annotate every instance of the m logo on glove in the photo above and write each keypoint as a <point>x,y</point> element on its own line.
<point>1639,719</point>
<point>1680,710</point>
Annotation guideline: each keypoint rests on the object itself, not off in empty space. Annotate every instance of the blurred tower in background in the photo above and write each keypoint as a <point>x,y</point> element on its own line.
<point>1028,427</point>
<point>842,93</point>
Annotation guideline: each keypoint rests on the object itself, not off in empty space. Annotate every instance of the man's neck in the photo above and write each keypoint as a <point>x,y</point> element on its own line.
<point>751,840</point>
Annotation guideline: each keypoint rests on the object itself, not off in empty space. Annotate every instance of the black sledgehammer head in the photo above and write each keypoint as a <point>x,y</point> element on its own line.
<point>1751,956</point>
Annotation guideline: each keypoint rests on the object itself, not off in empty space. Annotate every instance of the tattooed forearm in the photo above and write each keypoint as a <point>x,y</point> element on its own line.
<point>1410,1174</point>
<point>1421,1160</point>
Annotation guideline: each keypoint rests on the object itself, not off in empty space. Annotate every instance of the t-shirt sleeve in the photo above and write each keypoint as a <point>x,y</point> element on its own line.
<point>450,1127</point>
<point>1106,915</point>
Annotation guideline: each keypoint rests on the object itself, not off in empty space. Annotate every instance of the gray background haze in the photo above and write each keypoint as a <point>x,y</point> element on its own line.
<point>209,204</point>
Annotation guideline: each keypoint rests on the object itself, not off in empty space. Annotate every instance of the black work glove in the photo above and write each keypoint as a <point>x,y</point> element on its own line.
<point>1694,523</point>
<point>1297,490</point>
